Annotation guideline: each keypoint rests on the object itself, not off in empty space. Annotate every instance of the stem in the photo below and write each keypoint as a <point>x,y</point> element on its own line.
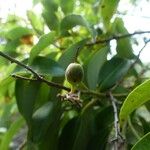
<point>117,37</point>
<point>20,64</point>
<point>38,77</point>
<point>116,123</point>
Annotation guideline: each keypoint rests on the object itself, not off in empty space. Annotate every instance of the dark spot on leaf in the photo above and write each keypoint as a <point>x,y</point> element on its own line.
<point>103,6</point>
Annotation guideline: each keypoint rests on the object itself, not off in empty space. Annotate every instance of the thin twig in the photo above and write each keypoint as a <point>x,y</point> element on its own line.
<point>53,84</point>
<point>38,77</point>
<point>138,56</point>
<point>85,92</point>
<point>117,142</point>
<point>117,37</point>
<point>19,63</point>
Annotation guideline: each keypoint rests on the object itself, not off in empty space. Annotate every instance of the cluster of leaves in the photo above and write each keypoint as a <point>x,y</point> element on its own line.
<point>62,32</point>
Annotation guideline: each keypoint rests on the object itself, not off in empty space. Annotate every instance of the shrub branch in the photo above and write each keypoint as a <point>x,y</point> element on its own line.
<point>38,77</point>
<point>117,37</point>
<point>118,142</point>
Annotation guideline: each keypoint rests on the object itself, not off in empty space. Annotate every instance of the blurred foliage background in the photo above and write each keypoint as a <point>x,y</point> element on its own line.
<point>50,37</point>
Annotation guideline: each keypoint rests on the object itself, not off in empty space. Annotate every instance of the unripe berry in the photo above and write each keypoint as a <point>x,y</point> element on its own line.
<point>74,73</point>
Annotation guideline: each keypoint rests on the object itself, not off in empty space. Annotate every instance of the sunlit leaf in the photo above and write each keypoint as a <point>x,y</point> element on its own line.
<point>7,138</point>
<point>135,99</point>
<point>43,42</point>
<point>108,8</point>
<point>36,22</point>
<point>124,47</point>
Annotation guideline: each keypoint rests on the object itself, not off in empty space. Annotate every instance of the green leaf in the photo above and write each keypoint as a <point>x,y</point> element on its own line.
<point>85,127</point>
<point>47,66</point>
<point>103,128</point>
<point>112,71</point>
<point>135,99</point>
<point>11,46</point>
<point>43,66</point>
<point>73,20</point>
<point>51,20</point>
<point>67,6</point>
<point>44,41</point>
<point>40,121</point>
<point>143,143</point>
<point>26,95</point>
<point>70,54</point>
<point>18,32</point>
<point>94,66</point>
<point>49,14</point>
<point>108,8</point>
<point>66,138</point>
<point>124,47</point>
<point>50,139</point>
<point>50,5</point>
<point>4,84</point>
<point>35,21</point>
<point>6,140</point>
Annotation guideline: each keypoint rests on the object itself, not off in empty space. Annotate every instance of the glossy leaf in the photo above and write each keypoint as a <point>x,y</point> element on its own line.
<point>40,121</point>
<point>26,95</point>
<point>14,128</point>
<point>143,143</point>
<point>47,66</point>
<point>43,42</point>
<point>124,47</point>
<point>94,66</point>
<point>51,137</point>
<point>112,71</point>
<point>135,99</point>
<point>44,66</point>
<point>108,9</point>
<point>36,22</point>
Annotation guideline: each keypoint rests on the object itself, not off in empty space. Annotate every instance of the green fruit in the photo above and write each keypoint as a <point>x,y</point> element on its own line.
<point>74,73</point>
